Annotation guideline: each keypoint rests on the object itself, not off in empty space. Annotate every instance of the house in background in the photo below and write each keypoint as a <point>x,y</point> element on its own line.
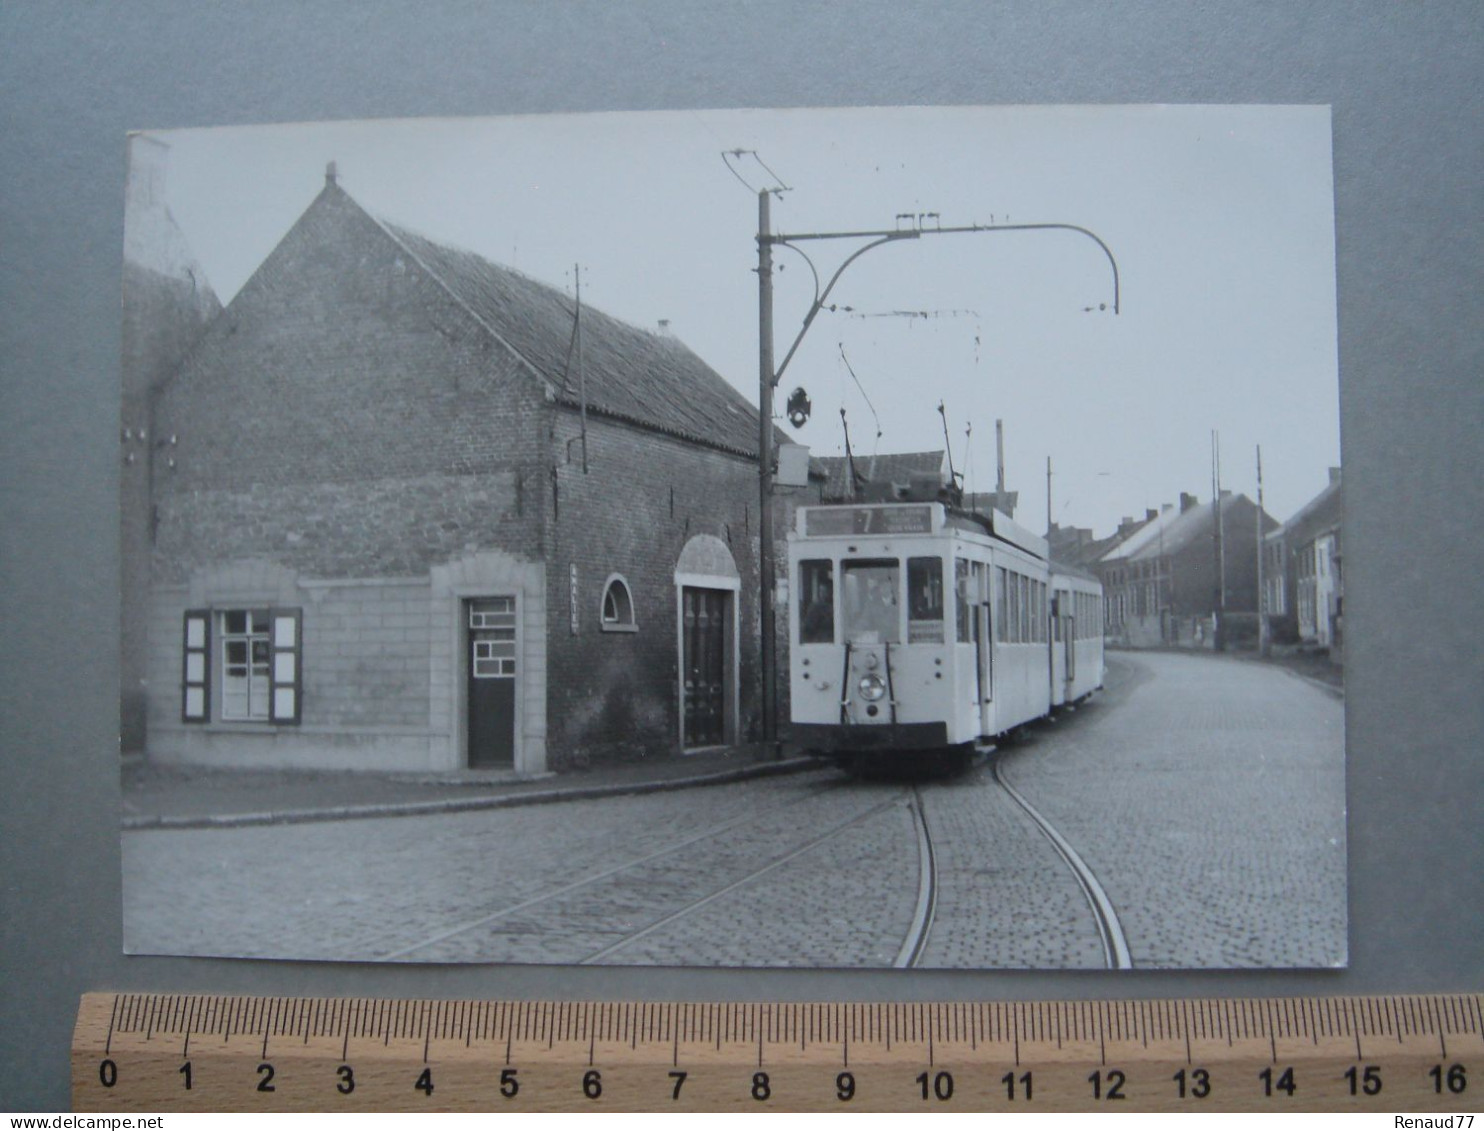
<point>1303,583</point>
<point>1165,580</point>
<point>893,473</point>
<point>167,305</point>
<point>404,528</point>
<point>1078,546</point>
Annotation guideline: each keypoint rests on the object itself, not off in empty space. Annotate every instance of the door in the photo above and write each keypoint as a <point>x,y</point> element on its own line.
<point>1071,630</point>
<point>984,630</point>
<point>490,642</point>
<point>706,613</point>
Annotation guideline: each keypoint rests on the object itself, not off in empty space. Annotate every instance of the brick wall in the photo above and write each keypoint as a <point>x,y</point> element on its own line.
<point>341,360</point>
<point>616,695</point>
<point>376,527</point>
<point>346,420</point>
<point>1194,570</point>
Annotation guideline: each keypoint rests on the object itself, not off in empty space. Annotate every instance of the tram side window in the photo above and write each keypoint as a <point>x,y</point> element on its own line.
<point>870,602</point>
<point>924,600</point>
<point>965,598</point>
<point>1017,608</point>
<point>1002,609</point>
<point>817,601</point>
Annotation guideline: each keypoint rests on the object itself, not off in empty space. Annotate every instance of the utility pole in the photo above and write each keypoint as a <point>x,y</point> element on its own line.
<point>766,381</point>
<point>999,463</point>
<point>1048,496</point>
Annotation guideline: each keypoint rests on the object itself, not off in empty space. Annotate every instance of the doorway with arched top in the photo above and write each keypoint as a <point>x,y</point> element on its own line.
<point>707,585</point>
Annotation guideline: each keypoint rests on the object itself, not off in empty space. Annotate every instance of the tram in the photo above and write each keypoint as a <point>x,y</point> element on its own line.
<point>920,630</point>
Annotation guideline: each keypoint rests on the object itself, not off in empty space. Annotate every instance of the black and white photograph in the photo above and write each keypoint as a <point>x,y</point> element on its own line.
<point>900,537</point>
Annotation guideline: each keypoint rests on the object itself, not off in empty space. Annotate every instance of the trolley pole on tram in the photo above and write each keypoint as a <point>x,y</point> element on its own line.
<point>769,376</point>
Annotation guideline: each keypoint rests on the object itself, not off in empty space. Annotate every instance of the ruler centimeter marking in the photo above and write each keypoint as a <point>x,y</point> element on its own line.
<point>150,1052</point>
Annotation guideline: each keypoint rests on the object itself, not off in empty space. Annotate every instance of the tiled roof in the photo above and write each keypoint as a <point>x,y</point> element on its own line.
<point>1319,513</point>
<point>893,467</point>
<point>1167,533</point>
<point>647,378</point>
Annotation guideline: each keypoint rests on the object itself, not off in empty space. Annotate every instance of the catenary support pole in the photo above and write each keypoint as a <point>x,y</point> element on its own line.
<point>766,567</point>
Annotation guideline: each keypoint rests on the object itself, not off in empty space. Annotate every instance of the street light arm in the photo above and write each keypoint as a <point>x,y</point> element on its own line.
<point>913,233</point>
<point>1112,262</point>
<point>822,296</point>
<point>808,263</point>
<point>787,240</point>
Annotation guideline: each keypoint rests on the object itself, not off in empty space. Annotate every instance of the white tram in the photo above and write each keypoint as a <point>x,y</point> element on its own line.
<point>916,626</point>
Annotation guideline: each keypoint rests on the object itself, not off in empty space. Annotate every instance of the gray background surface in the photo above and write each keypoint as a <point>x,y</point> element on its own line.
<point>1404,84</point>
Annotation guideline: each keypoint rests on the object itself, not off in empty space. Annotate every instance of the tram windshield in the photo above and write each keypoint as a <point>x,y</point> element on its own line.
<point>872,607</point>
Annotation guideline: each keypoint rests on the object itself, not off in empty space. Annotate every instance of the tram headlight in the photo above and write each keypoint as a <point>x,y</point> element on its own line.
<point>872,687</point>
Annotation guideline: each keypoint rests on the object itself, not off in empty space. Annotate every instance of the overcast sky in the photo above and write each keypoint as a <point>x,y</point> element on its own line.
<point>1220,218</point>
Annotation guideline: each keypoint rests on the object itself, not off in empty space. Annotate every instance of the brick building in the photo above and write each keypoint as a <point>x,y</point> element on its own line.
<point>407,528</point>
<point>1304,590</point>
<point>885,472</point>
<point>1162,584</point>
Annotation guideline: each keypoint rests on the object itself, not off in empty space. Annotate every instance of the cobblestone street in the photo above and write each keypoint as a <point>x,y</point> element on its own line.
<point>1206,795</point>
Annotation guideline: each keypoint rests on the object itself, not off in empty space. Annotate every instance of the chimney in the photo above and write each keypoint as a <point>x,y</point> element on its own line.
<point>1150,514</point>
<point>332,174</point>
<point>1334,475</point>
<point>1166,508</point>
<point>999,460</point>
<point>1186,501</point>
<point>665,327</point>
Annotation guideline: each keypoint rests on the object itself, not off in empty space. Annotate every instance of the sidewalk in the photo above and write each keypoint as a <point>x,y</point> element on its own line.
<point>173,797</point>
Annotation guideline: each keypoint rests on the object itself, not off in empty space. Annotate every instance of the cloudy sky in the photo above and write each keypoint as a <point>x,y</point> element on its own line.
<point>1220,219</point>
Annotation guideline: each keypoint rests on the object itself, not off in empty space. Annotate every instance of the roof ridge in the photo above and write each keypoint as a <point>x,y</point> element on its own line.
<point>634,373</point>
<point>395,235</point>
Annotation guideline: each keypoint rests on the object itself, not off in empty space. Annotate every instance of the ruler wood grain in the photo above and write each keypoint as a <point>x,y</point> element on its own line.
<point>164,1052</point>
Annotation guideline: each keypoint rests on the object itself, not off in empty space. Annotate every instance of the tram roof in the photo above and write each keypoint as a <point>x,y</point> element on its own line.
<point>897,518</point>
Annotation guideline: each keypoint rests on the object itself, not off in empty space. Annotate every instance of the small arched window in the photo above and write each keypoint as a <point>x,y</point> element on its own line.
<point>618,606</point>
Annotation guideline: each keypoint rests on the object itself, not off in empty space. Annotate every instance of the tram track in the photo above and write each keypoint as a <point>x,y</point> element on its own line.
<point>775,861</point>
<point>753,876</point>
<point>926,908</point>
<point>1105,916</point>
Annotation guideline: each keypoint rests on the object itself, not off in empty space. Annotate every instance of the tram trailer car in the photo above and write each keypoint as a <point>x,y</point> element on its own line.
<point>919,631</point>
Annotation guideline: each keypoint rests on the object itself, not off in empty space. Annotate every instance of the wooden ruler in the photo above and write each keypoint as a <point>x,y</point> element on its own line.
<point>159,1052</point>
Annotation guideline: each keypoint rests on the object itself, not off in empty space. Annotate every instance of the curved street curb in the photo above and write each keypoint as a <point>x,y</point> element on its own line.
<point>469,804</point>
<point>1328,688</point>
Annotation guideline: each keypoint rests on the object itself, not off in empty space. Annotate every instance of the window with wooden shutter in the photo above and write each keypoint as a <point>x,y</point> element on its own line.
<point>286,683</point>
<point>195,701</point>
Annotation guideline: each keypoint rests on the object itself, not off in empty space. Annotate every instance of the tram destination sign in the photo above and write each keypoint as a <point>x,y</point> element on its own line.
<point>824,521</point>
